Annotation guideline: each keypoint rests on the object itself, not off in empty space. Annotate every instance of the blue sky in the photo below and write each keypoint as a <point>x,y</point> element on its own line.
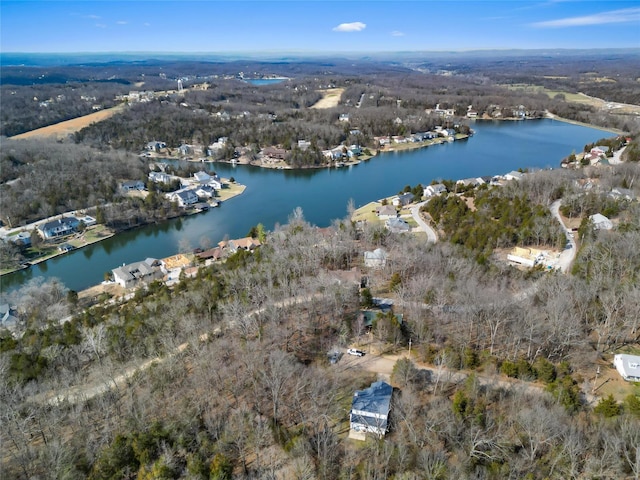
<point>315,26</point>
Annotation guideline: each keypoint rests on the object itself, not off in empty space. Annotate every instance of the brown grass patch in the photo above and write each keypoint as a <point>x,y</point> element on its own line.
<point>330,99</point>
<point>63,129</point>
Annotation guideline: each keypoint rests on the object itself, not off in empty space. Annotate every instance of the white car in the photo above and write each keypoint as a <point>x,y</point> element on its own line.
<point>356,352</point>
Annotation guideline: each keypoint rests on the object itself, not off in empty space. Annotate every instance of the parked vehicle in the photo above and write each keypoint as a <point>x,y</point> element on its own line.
<point>356,352</point>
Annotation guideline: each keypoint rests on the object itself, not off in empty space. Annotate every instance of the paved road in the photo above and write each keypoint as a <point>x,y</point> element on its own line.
<point>431,233</point>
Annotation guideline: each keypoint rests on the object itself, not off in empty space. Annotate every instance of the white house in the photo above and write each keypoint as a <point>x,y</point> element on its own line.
<point>628,366</point>
<point>436,189</point>
<point>600,222</point>
<point>514,175</point>
<point>184,197</point>
<point>370,409</point>
<point>160,177</point>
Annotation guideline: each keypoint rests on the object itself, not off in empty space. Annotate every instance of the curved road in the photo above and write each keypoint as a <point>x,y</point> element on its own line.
<point>415,213</point>
<point>568,255</point>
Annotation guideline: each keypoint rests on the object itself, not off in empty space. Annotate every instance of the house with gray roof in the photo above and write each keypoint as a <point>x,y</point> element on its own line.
<point>436,189</point>
<point>375,259</point>
<point>628,366</point>
<point>397,225</point>
<point>58,228</point>
<point>137,273</point>
<point>8,316</point>
<point>370,409</point>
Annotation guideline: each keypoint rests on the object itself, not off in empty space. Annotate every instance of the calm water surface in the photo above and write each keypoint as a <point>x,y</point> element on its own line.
<point>272,195</point>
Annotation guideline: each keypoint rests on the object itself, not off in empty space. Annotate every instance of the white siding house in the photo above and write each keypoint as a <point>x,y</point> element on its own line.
<point>628,366</point>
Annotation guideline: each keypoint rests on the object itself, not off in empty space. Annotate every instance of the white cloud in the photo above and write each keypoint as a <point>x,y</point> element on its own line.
<point>350,27</point>
<point>101,25</point>
<point>396,33</point>
<point>92,17</point>
<point>613,16</point>
<point>146,24</point>
<point>122,22</point>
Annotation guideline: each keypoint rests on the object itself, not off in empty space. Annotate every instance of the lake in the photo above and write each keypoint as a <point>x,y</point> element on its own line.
<point>323,194</point>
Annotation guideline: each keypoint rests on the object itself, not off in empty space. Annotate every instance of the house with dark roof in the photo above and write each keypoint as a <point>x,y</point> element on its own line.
<point>58,228</point>
<point>370,409</point>
<point>132,185</point>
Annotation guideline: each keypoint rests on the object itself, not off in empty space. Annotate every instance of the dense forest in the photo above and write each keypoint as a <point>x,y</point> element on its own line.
<point>244,388</point>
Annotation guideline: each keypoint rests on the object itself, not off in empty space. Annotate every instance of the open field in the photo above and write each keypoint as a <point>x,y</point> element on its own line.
<point>613,107</point>
<point>62,129</point>
<point>330,99</point>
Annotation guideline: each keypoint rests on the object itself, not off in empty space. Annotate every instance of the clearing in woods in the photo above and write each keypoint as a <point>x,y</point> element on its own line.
<point>63,129</point>
<point>330,99</point>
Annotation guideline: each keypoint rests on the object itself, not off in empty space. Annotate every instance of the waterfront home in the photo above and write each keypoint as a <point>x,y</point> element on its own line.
<point>58,228</point>
<point>184,198</point>
<point>385,212</point>
<point>436,189</point>
<point>370,410</point>
<point>246,243</point>
<point>210,256</point>
<point>402,199</point>
<point>136,273</point>
<point>206,191</point>
<point>202,177</point>
<point>274,152</point>
<point>375,259</point>
<point>21,239</point>
<point>628,366</point>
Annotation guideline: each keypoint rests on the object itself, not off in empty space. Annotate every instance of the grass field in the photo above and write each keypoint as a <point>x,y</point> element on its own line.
<point>63,129</point>
<point>330,99</point>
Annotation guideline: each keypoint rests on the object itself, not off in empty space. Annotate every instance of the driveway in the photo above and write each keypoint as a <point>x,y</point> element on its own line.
<point>415,213</point>
<point>568,255</point>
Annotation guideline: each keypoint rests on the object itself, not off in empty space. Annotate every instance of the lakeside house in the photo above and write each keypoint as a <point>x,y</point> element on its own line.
<point>370,410</point>
<point>436,189</point>
<point>385,212</point>
<point>247,243</point>
<point>58,228</point>
<point>274,152</point>
<point>133,274</point>
<point>185,198</point>
<point>402,199</point>
<point>628,366</point>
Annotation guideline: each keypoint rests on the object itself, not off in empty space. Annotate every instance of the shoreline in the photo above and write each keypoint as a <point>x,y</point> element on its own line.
<point>226,194</point>
<point>551,116</point>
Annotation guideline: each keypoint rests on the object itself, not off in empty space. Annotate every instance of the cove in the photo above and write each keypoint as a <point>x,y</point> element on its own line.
<point>323,194</point>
